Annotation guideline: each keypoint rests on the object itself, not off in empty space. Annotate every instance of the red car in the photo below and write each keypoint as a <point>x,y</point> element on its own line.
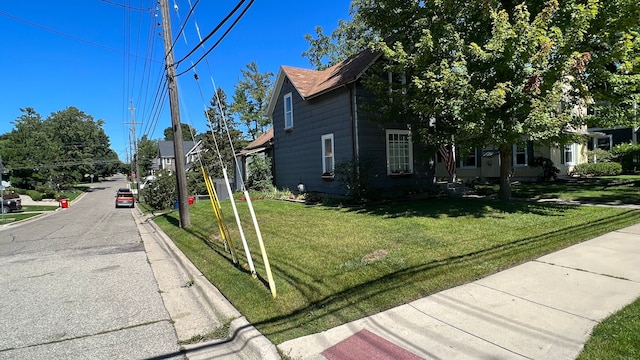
<point>124,198</point>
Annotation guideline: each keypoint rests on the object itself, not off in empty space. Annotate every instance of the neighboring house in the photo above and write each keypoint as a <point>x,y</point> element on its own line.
<point>610,137</point>
<point>262,146</point>
<point>318,123</point>
<point>484,164</point>
<point>166,158</point>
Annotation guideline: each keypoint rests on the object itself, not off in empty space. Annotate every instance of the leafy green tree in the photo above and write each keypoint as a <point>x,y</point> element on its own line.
<point>493,72</point>
<point>251,99</point>
<point>349,38</point>
<point>66,147</point>
<point>187,132</point>
<point>147,151</point>
<point>25,150</point>
<point>614,68</point>
<point>80,145</point>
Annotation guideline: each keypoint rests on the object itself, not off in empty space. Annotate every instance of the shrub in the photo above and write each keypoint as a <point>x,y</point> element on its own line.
<point>628,155</point>
<point>260,177</point>
<point>162,192</point>
<point>549,171</point>
<point>354,178</point>
<point>34,194</point>
<point>598,169</point>
<point>600,155</point>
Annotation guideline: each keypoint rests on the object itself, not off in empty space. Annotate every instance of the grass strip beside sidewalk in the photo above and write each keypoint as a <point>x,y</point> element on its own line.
<point>334,265</point>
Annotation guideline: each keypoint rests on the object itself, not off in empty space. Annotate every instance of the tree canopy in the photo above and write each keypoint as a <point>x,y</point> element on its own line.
<point>251,99</point>
<point>222,135</point>
<point>499,72</point>
<point>66,147</point>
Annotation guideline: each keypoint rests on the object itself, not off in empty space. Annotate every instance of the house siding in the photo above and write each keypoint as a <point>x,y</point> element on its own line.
<point>618,136</point>
<point>301,145</point>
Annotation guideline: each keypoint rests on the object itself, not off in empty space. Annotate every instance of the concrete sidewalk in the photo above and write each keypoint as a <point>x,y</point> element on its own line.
<point>543,309</point>
<point>196,307</point>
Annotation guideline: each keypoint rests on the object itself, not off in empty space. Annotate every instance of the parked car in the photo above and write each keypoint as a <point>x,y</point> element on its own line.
<point>125,198</point>
<point>9,205</point>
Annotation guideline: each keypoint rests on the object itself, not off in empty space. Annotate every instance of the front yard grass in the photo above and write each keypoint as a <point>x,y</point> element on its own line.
<point>608,189</point>
<point>617,337</point>
<point>333,265</point>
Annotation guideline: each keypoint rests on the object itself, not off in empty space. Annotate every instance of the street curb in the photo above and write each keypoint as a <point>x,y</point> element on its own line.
<point>241,332</point>
<point>258,345</point>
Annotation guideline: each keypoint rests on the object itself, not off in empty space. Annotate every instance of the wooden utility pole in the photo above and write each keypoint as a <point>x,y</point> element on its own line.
<point>178,148</point>
<point>135,157</point>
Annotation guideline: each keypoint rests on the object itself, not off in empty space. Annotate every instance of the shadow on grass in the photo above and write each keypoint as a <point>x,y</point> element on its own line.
<point>428,278</point>
<point>454,207</point>
<point>597,190</point>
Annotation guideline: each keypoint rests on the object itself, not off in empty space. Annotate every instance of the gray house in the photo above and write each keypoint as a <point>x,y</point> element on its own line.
<point>166,158</point>
<point>318,122</point>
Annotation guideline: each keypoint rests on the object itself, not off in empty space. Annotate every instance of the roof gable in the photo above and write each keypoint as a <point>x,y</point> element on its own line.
<point>165,148</point>
<point>312,83</point>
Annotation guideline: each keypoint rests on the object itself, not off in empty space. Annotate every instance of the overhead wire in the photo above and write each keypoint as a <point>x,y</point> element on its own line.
<point>215,29</point>
<point>244,11</point>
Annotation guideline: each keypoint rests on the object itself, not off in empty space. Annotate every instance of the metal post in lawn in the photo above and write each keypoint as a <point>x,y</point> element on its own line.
<point>235,212</point>
<point>272,284</point>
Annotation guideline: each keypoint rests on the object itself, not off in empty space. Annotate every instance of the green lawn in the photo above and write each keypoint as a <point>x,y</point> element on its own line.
<point>333,265</point>
<point>617,337</point>
<point>617,190</point>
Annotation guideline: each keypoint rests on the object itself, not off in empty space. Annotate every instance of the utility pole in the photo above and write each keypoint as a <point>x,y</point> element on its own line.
<point>178,148</point>
<point>135,156</point>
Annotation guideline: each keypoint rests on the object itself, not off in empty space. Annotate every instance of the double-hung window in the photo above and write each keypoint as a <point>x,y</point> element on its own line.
<point>570,155</point>
<point>399,152</point>
<point>328,161</point>
<point>520,156</point>
<point>288,111</point>
<point>468,158</point>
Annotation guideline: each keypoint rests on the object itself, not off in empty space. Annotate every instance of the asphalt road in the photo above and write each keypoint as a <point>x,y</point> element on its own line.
<point>77,284</point>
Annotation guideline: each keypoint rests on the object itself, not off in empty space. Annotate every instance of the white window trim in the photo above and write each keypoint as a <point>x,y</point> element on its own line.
<point>399,132</point>
<point>596,139</point>
<point>574,154</point>
<point>289,97</point>
<point>333,159</point>
<point>461,160</point>
<point>514,155</point>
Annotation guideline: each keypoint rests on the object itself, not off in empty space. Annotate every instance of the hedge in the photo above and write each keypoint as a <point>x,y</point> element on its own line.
<point>598,169</point>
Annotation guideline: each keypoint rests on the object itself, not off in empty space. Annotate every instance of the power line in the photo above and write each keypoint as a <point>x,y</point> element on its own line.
<point>219,40</point>
<point>220,24</point>
<point>125,6</point>
<point>61,33</point>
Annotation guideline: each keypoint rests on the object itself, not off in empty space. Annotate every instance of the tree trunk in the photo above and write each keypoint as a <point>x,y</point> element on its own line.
<point>506,165</point>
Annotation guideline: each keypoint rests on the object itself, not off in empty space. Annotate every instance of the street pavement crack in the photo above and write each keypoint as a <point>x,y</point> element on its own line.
<point>88,335</point>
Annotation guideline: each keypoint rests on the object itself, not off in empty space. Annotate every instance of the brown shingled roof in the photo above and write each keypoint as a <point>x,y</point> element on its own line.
<point>261,140</point>
<point>310,83</point>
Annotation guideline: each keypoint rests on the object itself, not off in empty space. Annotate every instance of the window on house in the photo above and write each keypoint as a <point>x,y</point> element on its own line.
<point>397,81</point>
<point>603,142</point>
<point>570,155</point>
<point>167,161</point>
<point>288,111</point>
<point>399,152</point>
<point>520,156</point>
<point>468,158</point>
<point>327,155</point>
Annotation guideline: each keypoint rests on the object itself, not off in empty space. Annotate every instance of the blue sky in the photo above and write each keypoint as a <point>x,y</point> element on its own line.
<point>98,55</point>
